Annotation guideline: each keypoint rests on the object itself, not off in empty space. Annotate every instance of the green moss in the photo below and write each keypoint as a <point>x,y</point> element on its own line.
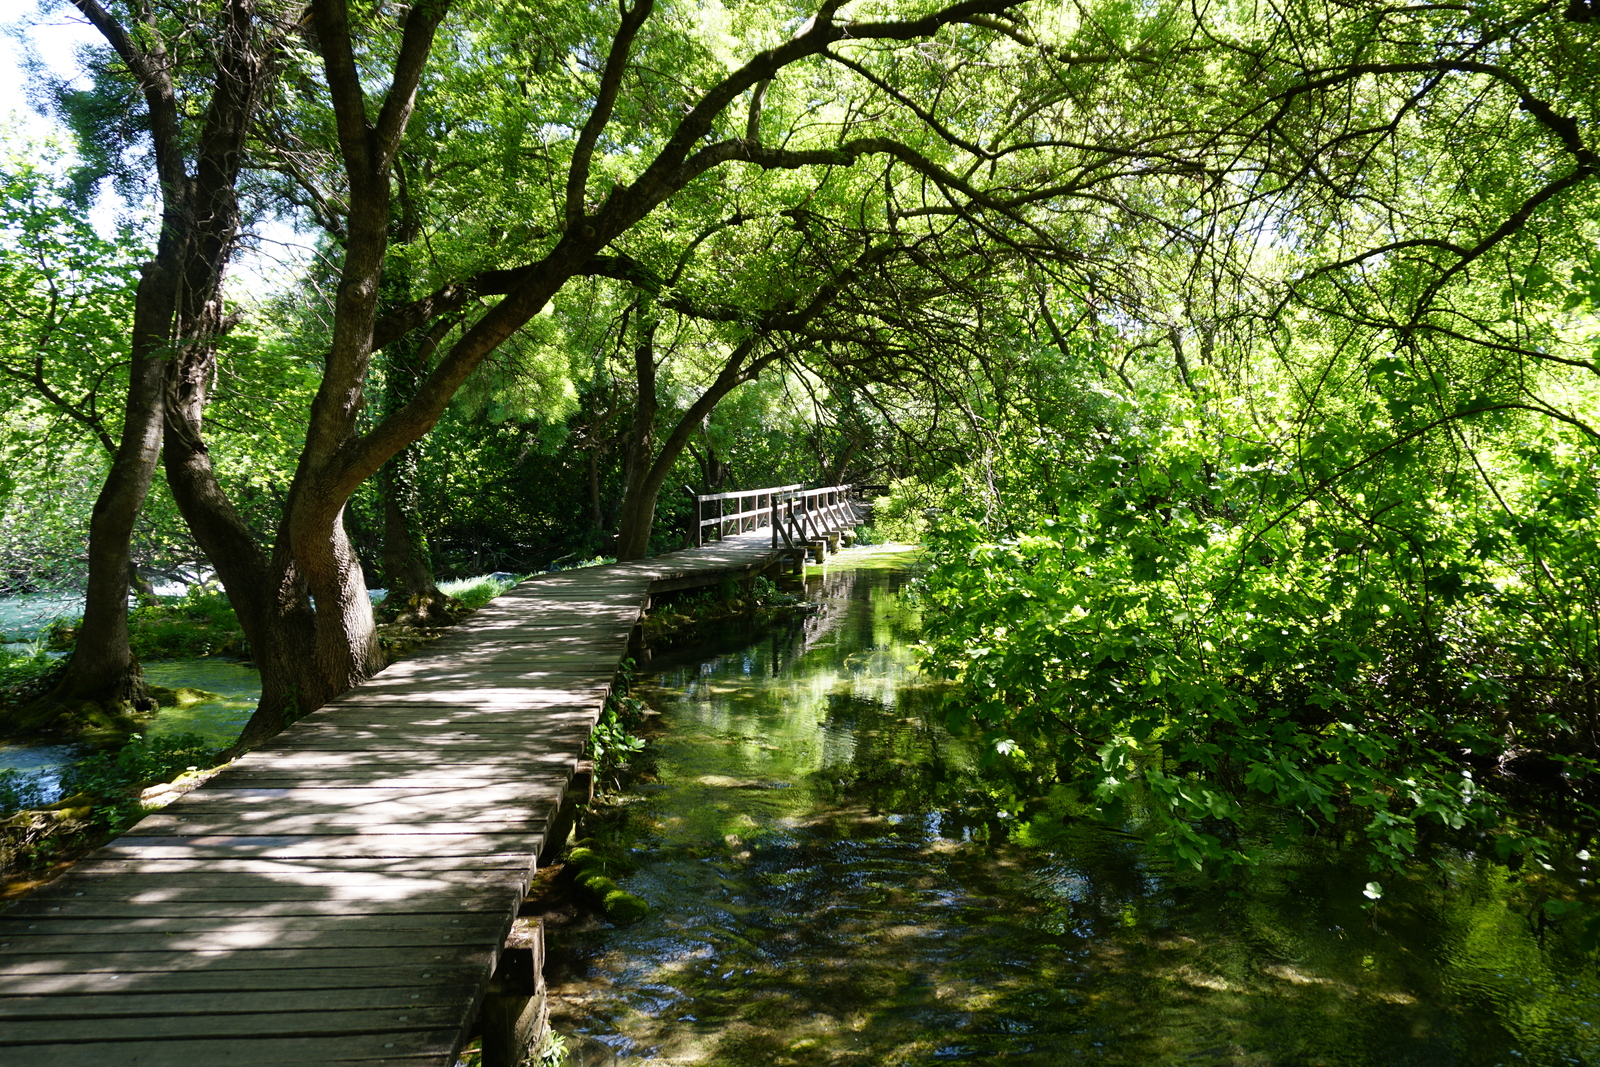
<point>622,906</point>
<point>65,719</point>
<point>181,697</point>
<point>582,859</point>
<point>598,886</point>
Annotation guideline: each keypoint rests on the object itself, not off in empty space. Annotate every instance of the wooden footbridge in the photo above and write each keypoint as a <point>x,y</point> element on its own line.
<point>349,893</point>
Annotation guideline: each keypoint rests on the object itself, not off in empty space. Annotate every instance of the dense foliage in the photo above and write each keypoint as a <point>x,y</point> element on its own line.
<point>1238,364</point>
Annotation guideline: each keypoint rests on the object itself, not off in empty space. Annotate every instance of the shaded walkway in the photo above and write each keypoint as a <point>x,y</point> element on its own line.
<point>344,893</point>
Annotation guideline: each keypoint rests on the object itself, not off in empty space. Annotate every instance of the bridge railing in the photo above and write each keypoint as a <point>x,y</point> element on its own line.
<point>802,518</point>
<point>735,513</point>
<point>797,516</point>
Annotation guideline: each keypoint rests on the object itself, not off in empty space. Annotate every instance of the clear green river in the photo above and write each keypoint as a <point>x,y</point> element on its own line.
<point>827,890</point>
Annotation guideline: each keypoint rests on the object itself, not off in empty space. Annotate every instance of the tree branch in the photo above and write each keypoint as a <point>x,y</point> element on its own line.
<point>605,101</point>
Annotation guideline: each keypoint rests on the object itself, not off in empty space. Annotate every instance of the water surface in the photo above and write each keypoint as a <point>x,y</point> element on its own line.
<point>832,886</point>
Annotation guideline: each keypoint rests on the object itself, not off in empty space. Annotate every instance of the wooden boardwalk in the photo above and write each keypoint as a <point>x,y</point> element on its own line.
<point>343,894</point>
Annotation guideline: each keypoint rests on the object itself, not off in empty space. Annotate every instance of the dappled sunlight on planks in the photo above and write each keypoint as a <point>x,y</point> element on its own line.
<point>344,892</point>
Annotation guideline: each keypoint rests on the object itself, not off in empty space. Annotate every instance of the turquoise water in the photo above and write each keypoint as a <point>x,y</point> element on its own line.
<point>831,887</point>
<point>25,617</point>
<point>218,720</point>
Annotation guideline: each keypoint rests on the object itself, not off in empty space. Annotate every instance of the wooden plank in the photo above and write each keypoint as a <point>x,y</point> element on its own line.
<point>442,744</point>
<point>236,938</point>
<point>293,1039</point>
<point>425,729</point>
<point>314,845</point>
<point>179,1054</point>
<point>208,961</point>
<point>312,885</point>
<point>18,935</point>
<point>376,775</point>
<point>305,869</point>
<point>333,821</point>
<point>325,979</point>
<point>505,760</point>
<point>248,800</point>
<point>311,846</point>
<point>175,1004</point>
<point>486,696</point>
<point>287,1053</point>
<point>355,905</point>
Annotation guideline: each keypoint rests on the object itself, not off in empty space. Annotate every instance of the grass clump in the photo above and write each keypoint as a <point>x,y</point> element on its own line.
<point>200,623</point>
<point>474,593</point>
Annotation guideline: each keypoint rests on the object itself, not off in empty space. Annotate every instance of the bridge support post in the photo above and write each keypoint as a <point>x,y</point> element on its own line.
<point>579,791</point>
<point>515,1016</point>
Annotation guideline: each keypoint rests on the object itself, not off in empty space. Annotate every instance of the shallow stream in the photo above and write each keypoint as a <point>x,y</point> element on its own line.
<point>827,891</point>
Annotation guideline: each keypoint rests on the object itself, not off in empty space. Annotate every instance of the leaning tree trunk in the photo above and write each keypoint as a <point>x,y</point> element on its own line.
<point>638,513</point>
<point>177,305</point>
<point>103,669</point>
<point>307,656</point>
<point>648,470</point>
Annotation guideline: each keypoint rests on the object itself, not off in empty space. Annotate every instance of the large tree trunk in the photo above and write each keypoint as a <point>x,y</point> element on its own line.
<point>407,569</point>
<point>177,307</point>
<point>306,656</point>
<point>103,668</point>
<point>638,513</point>
<point>648,468</point>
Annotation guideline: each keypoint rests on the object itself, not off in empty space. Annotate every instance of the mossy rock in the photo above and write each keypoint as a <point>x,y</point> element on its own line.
<point>598,886</point>
<point>67,718</point>
<point>581,859</point>
<point>181,697</point>
<point>622,906</point>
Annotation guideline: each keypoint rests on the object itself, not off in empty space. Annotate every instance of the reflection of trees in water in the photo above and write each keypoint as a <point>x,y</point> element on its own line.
<point>876,915</point>
<point>785,638</point>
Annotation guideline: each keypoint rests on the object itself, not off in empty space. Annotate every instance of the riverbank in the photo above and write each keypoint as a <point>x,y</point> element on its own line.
<point>836,877</point>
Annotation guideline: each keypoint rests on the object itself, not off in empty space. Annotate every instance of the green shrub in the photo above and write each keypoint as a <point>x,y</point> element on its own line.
<point>199,623</point>
<point>114,778</point>
<point>25,675</point>
<point>111,779</point>
<point>902,516</point>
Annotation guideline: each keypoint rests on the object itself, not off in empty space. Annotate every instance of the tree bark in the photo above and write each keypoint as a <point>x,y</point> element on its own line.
<point>638,512</point>
<point>312,556</point>
<point>103,668</point>
<point>407,569</point>
<point>177,312</point>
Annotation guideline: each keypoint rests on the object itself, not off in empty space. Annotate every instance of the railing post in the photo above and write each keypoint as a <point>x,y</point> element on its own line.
<point>697,517</point>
